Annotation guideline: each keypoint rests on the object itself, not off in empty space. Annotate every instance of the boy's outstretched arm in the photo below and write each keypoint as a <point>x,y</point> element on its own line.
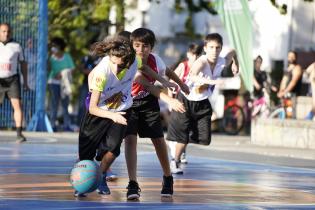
<point>175,104</point>
<point>171,74</point>
<point>149,72</point>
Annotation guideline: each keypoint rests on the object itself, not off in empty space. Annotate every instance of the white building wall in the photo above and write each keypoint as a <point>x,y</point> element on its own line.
<point>274,34</point>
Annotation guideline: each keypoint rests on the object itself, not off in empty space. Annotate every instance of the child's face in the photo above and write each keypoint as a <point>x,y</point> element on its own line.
<point>142,49</point>
<point>117,63</point>
<point>213,49</point>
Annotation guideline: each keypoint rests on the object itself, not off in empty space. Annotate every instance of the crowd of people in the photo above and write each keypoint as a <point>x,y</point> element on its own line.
<point>119,98</point>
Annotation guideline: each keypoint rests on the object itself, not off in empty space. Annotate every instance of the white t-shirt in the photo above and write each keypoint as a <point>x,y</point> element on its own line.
<point>200,91</point>
<point>115,90</point>
<point>10,55</point>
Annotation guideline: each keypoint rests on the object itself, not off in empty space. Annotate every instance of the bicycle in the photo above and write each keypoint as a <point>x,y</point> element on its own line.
<point>261,108</point>
<point>229,114</point>
<point>234,118</point>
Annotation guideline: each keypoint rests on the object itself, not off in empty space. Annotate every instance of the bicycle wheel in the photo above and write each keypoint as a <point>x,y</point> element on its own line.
<point>278,113</point>
<point>233,120</point>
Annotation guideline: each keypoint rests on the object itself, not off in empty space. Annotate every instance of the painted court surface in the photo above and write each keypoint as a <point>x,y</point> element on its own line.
<point>36,177</point>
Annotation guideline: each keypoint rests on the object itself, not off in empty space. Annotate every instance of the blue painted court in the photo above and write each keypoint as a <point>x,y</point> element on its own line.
<point>36,176</point>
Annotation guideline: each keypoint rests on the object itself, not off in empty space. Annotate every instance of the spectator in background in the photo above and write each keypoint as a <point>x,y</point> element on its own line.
<point>260,77</point>
<point>292,79</point>
<point>291,83</point>
<point>59,82</point>
<point>11,55</point>
<point>311,73</point>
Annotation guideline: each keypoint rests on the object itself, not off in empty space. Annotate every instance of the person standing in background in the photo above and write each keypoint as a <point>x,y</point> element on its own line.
<point>11,55</point>
<point>60,68</point>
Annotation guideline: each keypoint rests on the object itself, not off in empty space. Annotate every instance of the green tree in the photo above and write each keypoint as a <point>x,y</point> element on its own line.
<point>81,21</point>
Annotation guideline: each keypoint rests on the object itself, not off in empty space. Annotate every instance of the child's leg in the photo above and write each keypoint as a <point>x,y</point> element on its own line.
<point>161,152</point>
<point>107,160</point>
<point>133,192</point>
<point>131,156</point>
<point>180,148</point>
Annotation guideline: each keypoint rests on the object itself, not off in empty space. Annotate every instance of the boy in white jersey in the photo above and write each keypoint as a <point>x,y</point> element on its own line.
<point>10,56</point>
<point>194,126</point>
<point>182,70</point>
<point>108,109</point>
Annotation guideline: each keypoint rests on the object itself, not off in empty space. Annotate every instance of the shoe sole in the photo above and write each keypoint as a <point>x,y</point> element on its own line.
<point>166,195</point>
<point>133,197</point>
<point>102,193</point>
<point>80,195</point>
<point>111,179</point>
<point>178,172</point>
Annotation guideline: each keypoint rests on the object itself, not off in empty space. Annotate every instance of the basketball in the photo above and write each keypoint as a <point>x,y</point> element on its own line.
<point>85,176</point>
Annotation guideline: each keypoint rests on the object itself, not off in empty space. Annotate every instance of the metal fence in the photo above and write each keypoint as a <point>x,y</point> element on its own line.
<point>23,16</point>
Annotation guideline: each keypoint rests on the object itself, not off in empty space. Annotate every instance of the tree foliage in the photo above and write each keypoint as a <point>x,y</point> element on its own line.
<point>82,22</point>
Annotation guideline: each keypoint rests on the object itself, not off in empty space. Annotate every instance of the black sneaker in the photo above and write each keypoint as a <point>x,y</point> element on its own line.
<point>20,139</point>
<point>167,186</point>
<point>134,190</point>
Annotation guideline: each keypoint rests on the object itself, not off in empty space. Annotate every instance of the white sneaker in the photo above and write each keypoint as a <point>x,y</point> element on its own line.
<point>175,168</point>
<point>183,158</point>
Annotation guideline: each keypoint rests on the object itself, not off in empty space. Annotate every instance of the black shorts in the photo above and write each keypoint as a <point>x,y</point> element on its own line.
<point>145,119</point>
<point>11,87</point>
<point>99,135</point>
<point>193,126</point>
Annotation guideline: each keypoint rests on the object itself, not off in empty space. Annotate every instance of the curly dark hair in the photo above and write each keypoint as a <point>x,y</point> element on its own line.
<point>115,46</point>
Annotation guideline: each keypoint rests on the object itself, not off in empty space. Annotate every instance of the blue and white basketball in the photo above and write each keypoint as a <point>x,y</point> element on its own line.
<point>85,176</point>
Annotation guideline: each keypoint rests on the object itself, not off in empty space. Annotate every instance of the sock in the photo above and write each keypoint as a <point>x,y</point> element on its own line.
<point>19,131</point>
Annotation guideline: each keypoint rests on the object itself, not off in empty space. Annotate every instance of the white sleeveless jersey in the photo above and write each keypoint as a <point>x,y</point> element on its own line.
<point>200,91</point>
<point>115,90</point>
<point>10,55</point>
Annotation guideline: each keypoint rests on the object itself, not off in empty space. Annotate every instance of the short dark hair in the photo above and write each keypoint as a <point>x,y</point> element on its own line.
<point>59,42</point>
<point>125,34</point>
<point>143,35</point>
<point>213,37</point>
<point>195,49</point>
